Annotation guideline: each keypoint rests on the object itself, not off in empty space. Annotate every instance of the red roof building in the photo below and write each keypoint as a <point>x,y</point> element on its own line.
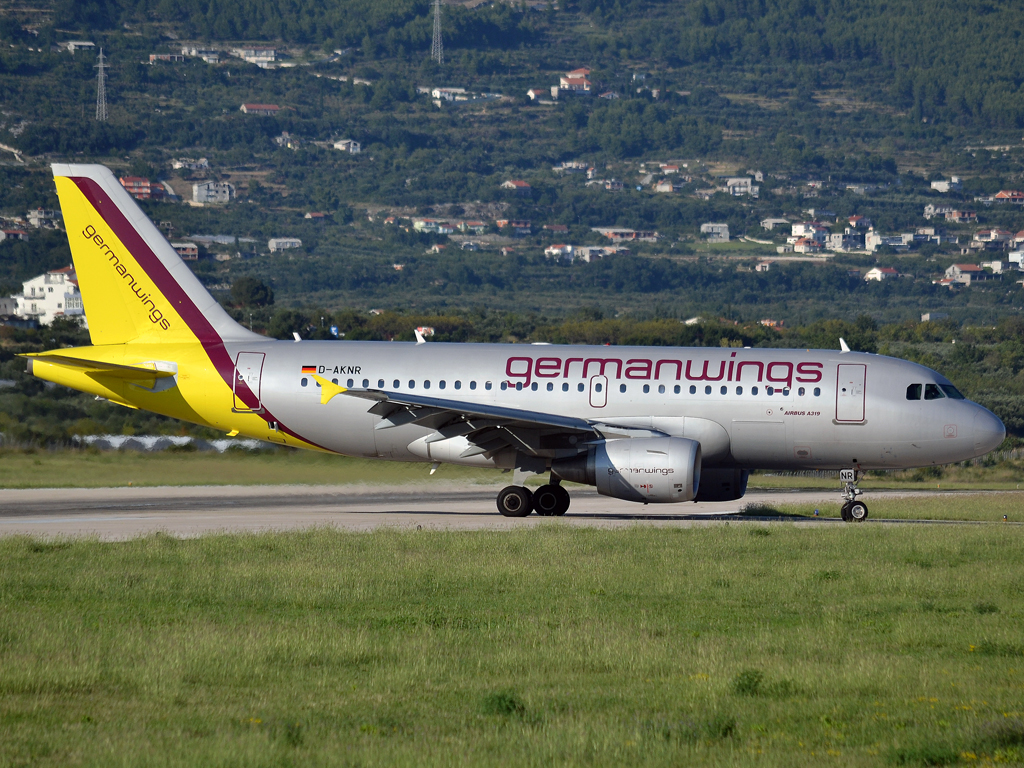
<point>260,109</point>
<point>142,188</point>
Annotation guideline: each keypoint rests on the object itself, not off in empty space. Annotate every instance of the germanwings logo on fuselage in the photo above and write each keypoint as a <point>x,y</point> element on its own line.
<point>155,315</point>
<point>775,371</point>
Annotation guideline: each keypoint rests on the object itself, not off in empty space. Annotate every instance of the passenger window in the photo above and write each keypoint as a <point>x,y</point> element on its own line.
<point>519,386</point>
<point>707,390</point>
<point>952,392</point>
<point>769,390</point>
<point>753,391</point>
<point>579,387</point>
<point>801,391</point>
<point>739,390</point>
<point>565,387</point>
<point>932,392</point>
<point>551,387</point>
<point>334,381</point>
<point>817,391</point>
<point>622,387</point>
<point>693,390</point>
<point>661,389</point>
<point>380,383</point>
<point>458,385</point>
<point>366,383</point>
<point>504,386</point>
<point>412,384</point>
<point>534,386</point>
<point>426,384</point>
<point>647,389</point>
<point>472,385</point>
<point>914,392</point>
<point>349,383</point>
<point>442,384</point>
<point>598,387</point>
<point>305,382</point>
<point>724,390</point>
<point>397,383</point>
<point>487,386</point>
<point>785,392</point>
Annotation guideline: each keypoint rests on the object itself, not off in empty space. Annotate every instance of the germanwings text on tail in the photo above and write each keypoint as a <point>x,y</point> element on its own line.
<point>649,425</point>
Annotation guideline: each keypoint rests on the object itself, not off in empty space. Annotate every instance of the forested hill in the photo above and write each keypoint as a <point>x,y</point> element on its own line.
<point>939,60</point>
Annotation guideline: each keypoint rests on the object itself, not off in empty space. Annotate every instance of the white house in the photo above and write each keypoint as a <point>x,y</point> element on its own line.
<point>953,185</point>
<point>773,223</point>
<point>50,296</point>
<point>717,233</point>
<point>348,145</point>
<point>276,244</point>
<point>213,192</point>
<point>881,273</point>
<point>742,185</point>
<point>811,230</point>
<point>558,250</point>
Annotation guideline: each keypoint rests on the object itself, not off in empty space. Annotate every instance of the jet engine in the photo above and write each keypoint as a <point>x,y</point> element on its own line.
<point>647,469</point>
<point>722,484</point>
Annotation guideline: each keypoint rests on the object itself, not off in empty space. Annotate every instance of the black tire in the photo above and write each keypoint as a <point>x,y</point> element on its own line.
<point>858,511</point>
<point>546,500</point>
<point>844,512</point>
<point>563,500</point>
<point>550,501</point>
<point>515,501</point>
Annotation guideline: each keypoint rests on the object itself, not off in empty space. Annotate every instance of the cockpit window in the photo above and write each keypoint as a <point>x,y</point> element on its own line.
<point>914,392</point>
<point>932,392</point>
<point>952,392</point>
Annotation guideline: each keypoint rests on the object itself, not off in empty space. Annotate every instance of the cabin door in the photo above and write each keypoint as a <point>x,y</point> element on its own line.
<point>598,391</point>
<point>850,393</point>
<point>248,382</point>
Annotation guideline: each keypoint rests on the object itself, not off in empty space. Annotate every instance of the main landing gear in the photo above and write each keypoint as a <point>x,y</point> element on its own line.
<point>852,511</point>
<point>550,500</point>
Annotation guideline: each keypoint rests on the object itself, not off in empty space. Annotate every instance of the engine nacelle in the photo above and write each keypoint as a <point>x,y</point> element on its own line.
<point>722,484</point>
<point>649,469</point>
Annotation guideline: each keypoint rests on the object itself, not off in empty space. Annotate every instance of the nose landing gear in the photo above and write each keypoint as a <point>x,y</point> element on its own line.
<point>852,510</point>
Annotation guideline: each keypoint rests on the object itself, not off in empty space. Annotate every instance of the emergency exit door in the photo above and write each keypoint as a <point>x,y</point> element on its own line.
<point>850,393</point>
<point>248,382</point>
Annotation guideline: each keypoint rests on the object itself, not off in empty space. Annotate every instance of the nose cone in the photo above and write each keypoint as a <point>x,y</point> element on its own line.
<point>988,431</point>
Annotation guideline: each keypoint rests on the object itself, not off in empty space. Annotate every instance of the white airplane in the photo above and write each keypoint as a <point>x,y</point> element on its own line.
<point>642,424</point>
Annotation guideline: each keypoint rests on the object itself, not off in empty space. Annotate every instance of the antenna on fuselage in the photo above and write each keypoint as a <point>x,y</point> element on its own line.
<point>842,345</point>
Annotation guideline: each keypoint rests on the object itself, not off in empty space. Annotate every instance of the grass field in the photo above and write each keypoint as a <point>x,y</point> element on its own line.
<point>96,469</point>
<point>111,469</point>
<point>723,645</point>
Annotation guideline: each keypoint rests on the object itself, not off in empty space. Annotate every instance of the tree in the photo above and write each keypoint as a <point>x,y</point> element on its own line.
<point>251,292</point>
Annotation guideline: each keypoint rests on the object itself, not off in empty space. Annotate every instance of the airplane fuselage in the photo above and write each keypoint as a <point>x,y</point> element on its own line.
<point>749,408</point>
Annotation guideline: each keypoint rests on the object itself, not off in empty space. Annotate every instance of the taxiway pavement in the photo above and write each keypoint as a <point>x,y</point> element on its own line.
<point>123,513</point>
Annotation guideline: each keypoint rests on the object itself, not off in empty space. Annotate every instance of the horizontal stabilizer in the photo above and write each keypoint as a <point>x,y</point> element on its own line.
<point>127,372</point>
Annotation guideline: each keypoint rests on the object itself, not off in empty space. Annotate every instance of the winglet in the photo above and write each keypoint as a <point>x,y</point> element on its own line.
<point>419,336</point>
<point>328,389</point>
<point>842,345</point>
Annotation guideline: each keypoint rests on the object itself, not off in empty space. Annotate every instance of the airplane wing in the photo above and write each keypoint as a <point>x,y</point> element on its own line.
<point>488,428</point>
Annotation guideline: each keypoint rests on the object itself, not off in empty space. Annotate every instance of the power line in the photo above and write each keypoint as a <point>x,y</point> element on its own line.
<point>101,90</point>
<point>437,47</point>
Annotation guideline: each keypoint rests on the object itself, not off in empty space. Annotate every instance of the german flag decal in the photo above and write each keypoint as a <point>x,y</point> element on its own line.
<point>309,369</point>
